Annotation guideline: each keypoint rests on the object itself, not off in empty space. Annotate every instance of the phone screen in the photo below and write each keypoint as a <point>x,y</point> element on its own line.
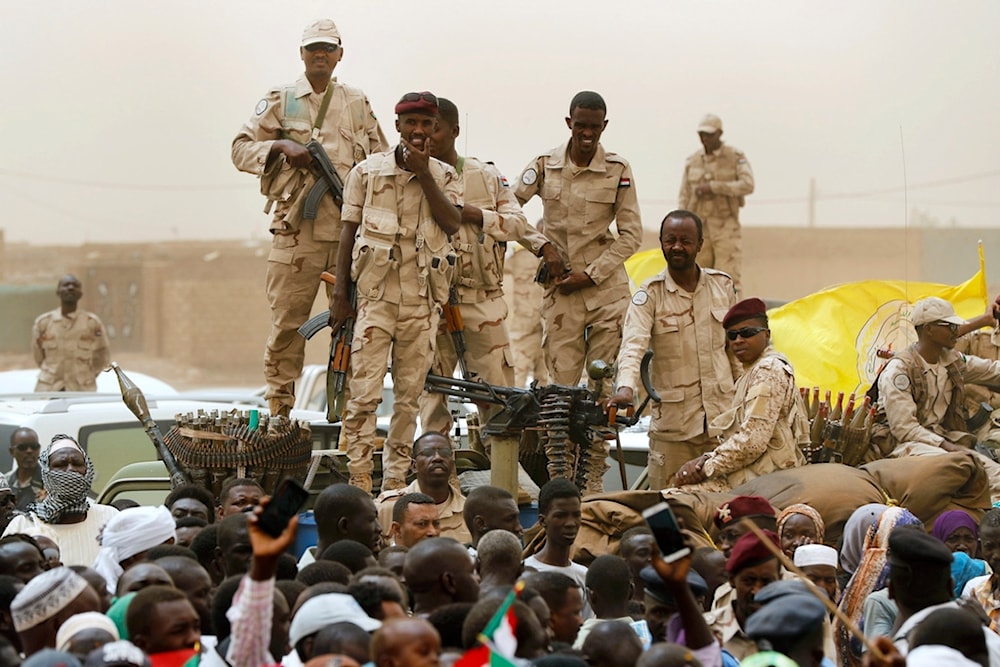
<point>667,532</point>
<point>286,503</point>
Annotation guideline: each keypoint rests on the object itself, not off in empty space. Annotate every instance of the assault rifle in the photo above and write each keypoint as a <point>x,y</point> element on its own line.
<point>328,181</point>
<point>340,353</point>
<point>456,327</point>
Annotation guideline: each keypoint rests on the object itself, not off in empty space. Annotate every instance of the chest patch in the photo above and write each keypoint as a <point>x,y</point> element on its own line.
<point>529,176</point>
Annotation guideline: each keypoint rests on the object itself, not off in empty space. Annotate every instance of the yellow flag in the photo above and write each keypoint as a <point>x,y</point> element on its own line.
<point>832,337</point>
<point>644,265</point>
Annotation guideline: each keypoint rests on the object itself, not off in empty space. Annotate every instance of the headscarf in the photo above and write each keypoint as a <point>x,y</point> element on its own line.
<point>128,533</point>
<point>855,532</point>
<point>872,575</point>
<point>117,613</point>
<point>964,568</point>
<point>66,492</point>
<point>806,511</point>
<point>950,521</point>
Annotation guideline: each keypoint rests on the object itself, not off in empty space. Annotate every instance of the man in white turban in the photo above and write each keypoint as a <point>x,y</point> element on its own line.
<point>128,536</point>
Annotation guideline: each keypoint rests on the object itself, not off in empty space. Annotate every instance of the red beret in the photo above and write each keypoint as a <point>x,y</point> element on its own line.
<point>749,551</point>
<point>744,310</point>
<point>424,102</point>
<point>742,506</point>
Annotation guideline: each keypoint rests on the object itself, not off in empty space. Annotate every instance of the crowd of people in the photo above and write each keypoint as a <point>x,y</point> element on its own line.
<point>417,579</point>
<point>425,574</point>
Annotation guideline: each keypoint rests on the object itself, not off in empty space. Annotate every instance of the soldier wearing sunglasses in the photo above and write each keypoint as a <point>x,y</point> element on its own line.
<point>25,480</point>
<point>763,430</point>
<point>304,243</point>
<point>921,390</point>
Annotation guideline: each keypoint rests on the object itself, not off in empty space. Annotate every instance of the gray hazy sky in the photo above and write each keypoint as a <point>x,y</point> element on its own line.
<point>107,100</point>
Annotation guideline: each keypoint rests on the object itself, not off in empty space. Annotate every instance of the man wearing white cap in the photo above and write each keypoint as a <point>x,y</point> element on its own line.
<point>46,602</point>
<point>819,563</point>
<point>66,515</point>
<point>271,145</point>
<point>922,389</point>
<point>715,184</point>
<point>321,611</point>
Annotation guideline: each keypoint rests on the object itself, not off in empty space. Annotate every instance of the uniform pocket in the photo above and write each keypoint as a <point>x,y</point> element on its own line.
<point>283,248</point>
<point>600,204</point>
<point>370,267</point>
<point>440,271</point>
<point>380,222</point>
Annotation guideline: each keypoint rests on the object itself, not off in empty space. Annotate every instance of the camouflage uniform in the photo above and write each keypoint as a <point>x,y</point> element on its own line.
<point>402,266</point>
<point>579,206</point>
<point>691,370</point>
<point>524,302</point>
<point>301,249</point>
<point>728,173</point>
<point>478,287</point>
<point>70,350</point>
<point>763,430</point>
<point>924,404</point>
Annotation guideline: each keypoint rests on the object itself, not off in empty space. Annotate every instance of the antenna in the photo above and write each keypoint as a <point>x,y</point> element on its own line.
<point>906,216</point>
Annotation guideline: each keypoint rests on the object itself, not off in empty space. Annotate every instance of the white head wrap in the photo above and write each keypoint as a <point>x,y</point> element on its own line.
<point>128,533</point>
<point>815,554</point>
<point>936,655</point>
<point>45,596</point>
<point>84,621</point>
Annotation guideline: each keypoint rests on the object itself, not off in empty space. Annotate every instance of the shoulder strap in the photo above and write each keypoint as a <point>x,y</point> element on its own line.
<point>321,116</point>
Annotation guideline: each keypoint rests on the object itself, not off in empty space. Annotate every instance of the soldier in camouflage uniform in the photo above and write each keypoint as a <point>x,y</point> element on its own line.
<point>400,207</point>
<point>271,145</point>
<point>583,189</point>
<point>490,218</point>
<point>69,344</point>
<point>716,181</point>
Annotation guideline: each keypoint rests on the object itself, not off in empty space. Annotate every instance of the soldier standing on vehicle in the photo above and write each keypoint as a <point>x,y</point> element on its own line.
<point>70,345</point>
<point>678,313</point>
<point>583,190</point>
<point>400,207</point>
<point>716,181</point>
<point>271,146</point>
<point>524,324</point>
<point>491,217</point>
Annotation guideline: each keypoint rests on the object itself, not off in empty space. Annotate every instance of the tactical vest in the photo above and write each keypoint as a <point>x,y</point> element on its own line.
<point>376,250</point>
<point>480,256</point>
<point>954,417</point>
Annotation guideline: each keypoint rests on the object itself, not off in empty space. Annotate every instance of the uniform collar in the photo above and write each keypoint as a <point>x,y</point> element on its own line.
<point>304,89</point>
<point>560,158</point>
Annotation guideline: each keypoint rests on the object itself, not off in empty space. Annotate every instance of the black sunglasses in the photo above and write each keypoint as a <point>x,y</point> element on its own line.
<point>744,333</point>
<point>322,46</point>
<point>426,97</point>
<point>952,327</point>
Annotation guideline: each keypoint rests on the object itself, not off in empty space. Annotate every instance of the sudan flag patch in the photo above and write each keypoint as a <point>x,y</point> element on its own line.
<point>624,182</point>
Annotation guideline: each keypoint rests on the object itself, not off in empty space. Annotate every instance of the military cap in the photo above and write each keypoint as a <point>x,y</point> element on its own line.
<point>744,310</point>
<point>710,124</point>
<point>656,588</point>
<point>789,616</point>
<point>742,506</point>
<point>910,547</point>
<point>779,589</point>
<point>321,31</point>
<point>934,309</point>
<point>749,551</point>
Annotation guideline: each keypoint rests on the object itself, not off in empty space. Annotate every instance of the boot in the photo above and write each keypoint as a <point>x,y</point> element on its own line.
<point>594,464</point>
<point>363,482</point>
<point>279,409</point>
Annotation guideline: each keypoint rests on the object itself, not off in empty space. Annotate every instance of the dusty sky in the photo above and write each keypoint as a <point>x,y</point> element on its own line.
<point>118,114</point>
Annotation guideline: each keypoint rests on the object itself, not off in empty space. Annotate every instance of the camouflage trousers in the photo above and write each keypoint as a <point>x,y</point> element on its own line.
<point>487,355</point>
<point>293,268</point>
<point>403,337</point>
<point>723,247</point>
<point>524,323</point>
<point>574,336</point>
<point>667,456</point>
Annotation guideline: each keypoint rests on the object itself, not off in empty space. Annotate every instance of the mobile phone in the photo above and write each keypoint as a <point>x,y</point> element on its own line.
<point>286,502</point>
<point>666,531</point>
